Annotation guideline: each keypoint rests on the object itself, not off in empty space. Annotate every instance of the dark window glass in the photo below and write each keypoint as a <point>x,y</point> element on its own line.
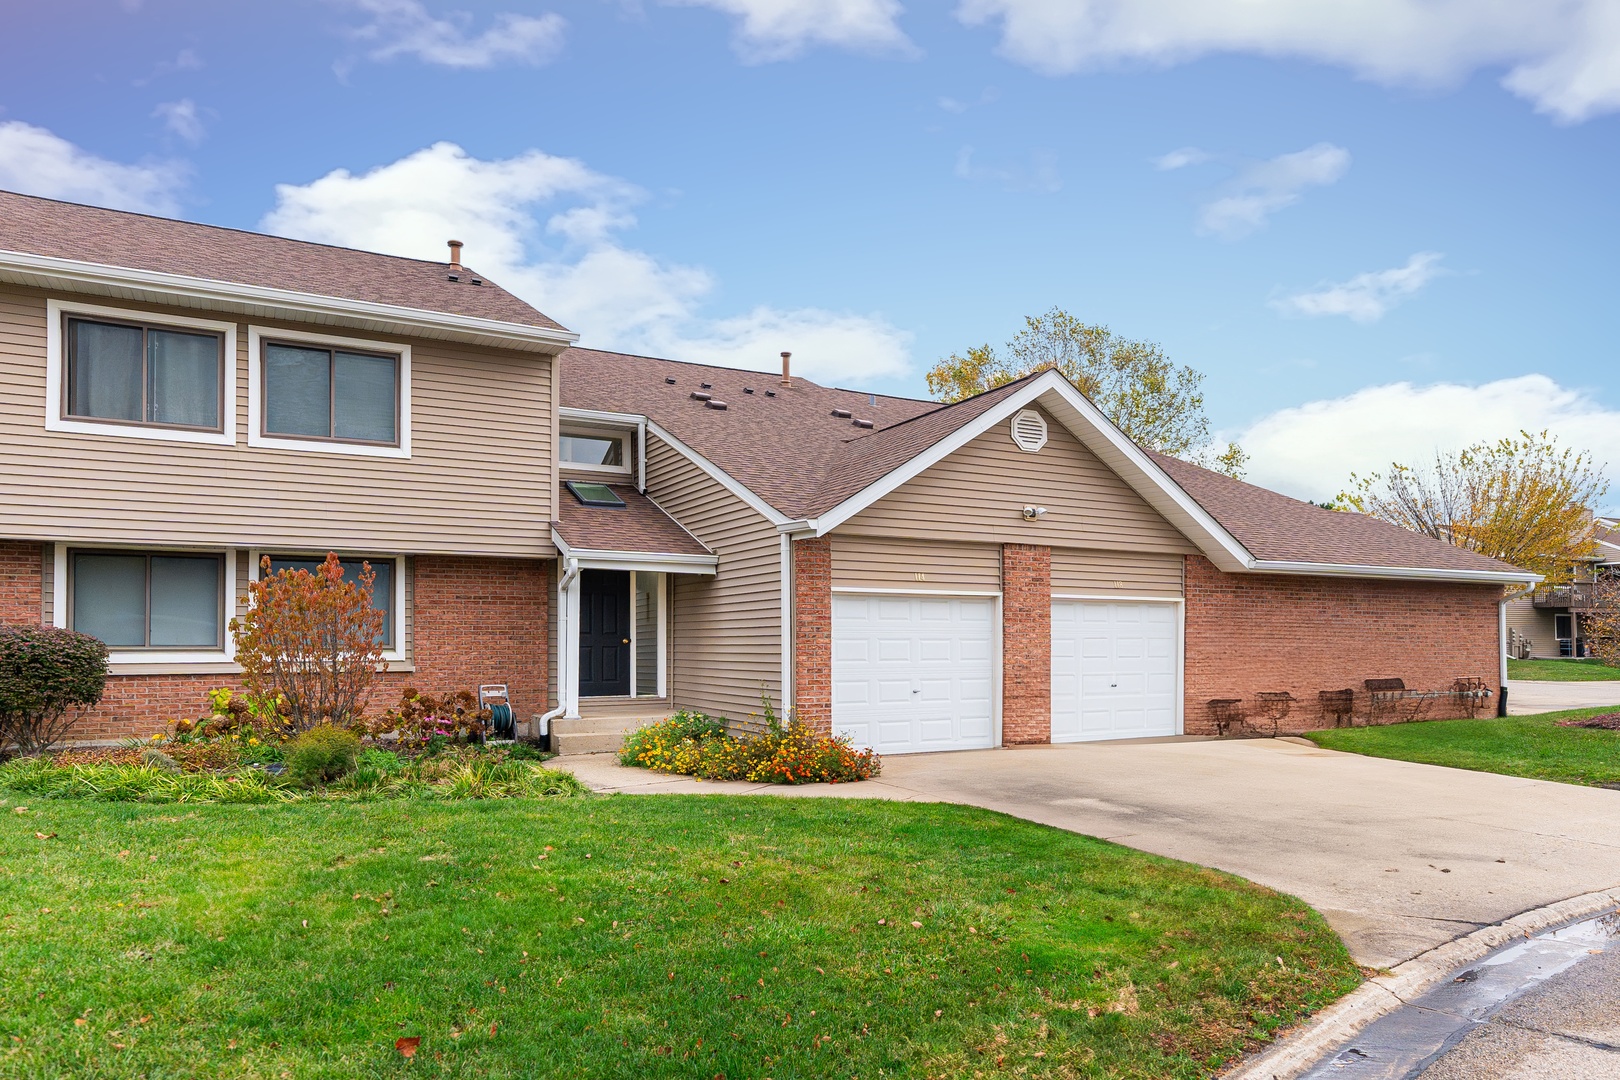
<point>583,450</point>
<point>135,600</point>
<point>322,394</point>
<point>382,587</point>
<point>143,375</point>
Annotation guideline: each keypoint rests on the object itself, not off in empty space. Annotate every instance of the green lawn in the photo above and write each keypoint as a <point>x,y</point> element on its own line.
<point>1533,746</point>
<point>627,937</point>
<point>1563,670</point>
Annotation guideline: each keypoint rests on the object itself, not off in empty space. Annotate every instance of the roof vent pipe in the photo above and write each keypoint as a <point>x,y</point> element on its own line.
<point>787,370</point>
<point>455,254</point>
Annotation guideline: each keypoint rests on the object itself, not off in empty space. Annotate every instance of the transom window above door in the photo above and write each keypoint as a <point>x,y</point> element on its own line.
<point>143,374</point>
<point>330,394</point>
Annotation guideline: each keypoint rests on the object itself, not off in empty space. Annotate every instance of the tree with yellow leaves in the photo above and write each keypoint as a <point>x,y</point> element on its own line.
<point>1526,501</point>
<point>1156,403</point>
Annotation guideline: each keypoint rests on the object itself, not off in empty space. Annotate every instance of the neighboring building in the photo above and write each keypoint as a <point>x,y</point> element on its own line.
<point>1546,622</point>
<point>617,536</point>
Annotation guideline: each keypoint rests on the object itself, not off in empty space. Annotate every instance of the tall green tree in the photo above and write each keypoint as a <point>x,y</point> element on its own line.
<point>1154,401</point>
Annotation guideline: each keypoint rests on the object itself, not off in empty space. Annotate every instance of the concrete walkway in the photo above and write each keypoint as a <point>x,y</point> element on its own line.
<point>1526,697</point>
<point>1399,857</point>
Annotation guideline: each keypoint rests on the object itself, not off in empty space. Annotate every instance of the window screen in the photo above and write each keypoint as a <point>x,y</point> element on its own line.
<point>143,375</point>
<point>328,394</point>
<point>382,587</point>
<point>137,600</point>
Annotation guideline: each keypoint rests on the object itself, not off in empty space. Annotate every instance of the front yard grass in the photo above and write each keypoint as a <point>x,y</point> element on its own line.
<point>1563,671</point>
<point>649,936</point>
<point>1531,746</point>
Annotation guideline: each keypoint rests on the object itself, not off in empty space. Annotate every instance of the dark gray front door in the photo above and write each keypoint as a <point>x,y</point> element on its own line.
<point>604,633</point>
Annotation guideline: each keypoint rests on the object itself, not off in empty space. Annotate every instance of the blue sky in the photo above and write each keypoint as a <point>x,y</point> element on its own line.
<point>1377,231</point>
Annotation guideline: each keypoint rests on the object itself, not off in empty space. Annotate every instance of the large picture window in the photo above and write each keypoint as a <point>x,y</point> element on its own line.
<point>382,586</point>
<point>148,600</point>
<point>330,394</point>
<point>137,373</point>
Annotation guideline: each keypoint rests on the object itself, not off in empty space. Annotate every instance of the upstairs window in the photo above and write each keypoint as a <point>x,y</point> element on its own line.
<point>593,451</point>
<point>333,395</point>
<point>137,373</point>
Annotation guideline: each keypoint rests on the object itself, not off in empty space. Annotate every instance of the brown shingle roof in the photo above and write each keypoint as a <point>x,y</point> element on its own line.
<point>638,526</point>
<point>1275,527</point>
<point>91,234</point>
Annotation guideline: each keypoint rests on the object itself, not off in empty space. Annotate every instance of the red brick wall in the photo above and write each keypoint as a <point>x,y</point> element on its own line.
<point>473,620</point>
<point>21,600</point>
<point>812,631</point>
<point>1026,644</point>
<point>1248,633</point>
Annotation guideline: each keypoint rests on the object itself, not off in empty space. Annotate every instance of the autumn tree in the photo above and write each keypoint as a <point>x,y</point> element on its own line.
<point>1526,501</point>
<point>1155,402</point>
<point>314,640</point>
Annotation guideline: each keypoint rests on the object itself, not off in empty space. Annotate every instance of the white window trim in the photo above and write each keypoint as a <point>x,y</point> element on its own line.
<point>56,375</point>
<point>621,437</point>
<point>395,652</point>
<point>255,435</point>
<point>60,615</point>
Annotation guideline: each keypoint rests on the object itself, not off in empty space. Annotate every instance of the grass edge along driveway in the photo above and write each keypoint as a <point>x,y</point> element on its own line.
<point>1536,747</point>
<point>613,936</point>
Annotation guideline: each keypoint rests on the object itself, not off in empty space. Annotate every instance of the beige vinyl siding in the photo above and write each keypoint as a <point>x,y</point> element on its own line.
<point>978,494</point>
<point>726,630</point>
<point>479,480</point>
<point>1534,623</point>
<point>891,563</point>
<point>1089,572</point>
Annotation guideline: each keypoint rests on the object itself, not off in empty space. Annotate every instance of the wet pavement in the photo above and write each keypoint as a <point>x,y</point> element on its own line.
<point>1541,1008</point>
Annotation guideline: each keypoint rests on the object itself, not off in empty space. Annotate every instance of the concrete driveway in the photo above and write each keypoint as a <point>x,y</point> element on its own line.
<point>1526,697</point>
<point>1398,857</point>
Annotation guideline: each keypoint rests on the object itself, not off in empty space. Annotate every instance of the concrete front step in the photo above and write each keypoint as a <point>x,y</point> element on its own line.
<point>587,742</point>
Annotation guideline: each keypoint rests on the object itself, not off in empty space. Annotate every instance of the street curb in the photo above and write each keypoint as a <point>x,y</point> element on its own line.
<point>1307,1045</point>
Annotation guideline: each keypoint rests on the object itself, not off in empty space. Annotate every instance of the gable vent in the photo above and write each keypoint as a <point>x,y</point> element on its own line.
<point>1029,430</point>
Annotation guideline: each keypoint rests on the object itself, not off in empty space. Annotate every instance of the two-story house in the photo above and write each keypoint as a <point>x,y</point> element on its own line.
<point>617,536</point>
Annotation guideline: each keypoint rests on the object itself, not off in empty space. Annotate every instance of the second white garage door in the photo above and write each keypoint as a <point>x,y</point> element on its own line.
<point>913,673</point>
<point>1114,670</point>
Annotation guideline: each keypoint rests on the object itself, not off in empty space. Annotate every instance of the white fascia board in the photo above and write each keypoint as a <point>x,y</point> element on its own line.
<point>1397,573</point>
<point>597,416</point>
<point>1150,481</point>
<point>162,287</point>
<point>719,475</point>
<point>667,562</point>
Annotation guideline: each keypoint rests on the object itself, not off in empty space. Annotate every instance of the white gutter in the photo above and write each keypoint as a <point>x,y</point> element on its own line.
<point>75,274</point>
<point>570,572</point>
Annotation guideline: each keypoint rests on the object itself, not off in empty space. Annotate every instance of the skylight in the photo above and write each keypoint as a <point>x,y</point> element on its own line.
<point>593,494</point>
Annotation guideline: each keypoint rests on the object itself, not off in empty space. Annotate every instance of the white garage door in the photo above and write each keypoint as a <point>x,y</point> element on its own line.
<point>913,673</point>
<point>1113,670</point>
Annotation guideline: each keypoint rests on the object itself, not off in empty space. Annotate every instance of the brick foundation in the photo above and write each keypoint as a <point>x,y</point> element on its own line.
<point>1026,644</point>
<point>812,631</point>
<point>1248,633</point>
<point>474,620</point>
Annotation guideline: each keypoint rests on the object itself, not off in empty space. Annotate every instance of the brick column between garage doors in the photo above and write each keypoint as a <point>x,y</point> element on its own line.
<point>812,631</point>
<point>1026,644</point>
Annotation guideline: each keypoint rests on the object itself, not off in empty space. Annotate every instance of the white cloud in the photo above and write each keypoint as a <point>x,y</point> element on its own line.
<point>1180,159</point>
<point>782,29</point>
<point>1366,297</point>
<point>1561,55</point>
<point>1262,188</point>
<point>182,118</point>
<point>406,28</point>
<point>549,230</point>
<point>1310,451</point>
<point>35,161</point>
<point>1041,175</point>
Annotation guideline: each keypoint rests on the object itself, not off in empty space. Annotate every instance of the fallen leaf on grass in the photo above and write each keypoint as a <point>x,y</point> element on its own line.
<point>407,1046</point>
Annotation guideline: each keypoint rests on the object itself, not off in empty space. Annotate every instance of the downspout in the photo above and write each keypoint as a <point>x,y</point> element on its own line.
<point>570,572</point>
<point>1502,642</point>
<point>787,625</point>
